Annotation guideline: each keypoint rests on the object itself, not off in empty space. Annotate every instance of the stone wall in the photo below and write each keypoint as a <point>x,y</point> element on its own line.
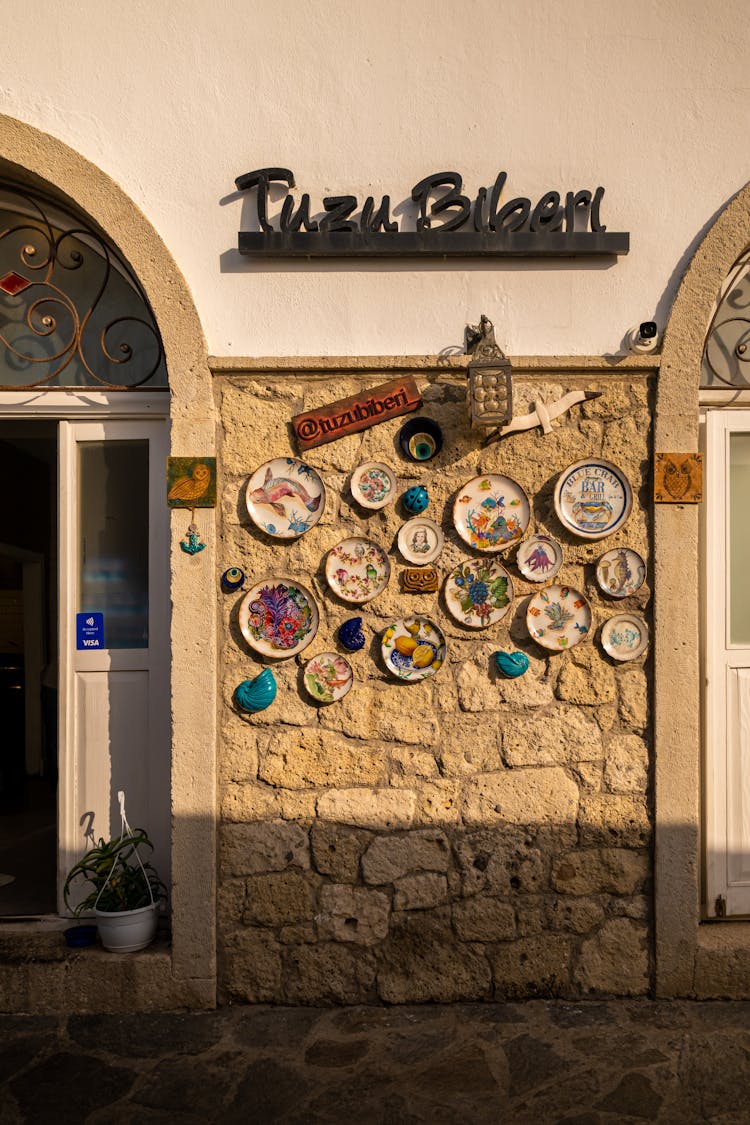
<point>466,837</point>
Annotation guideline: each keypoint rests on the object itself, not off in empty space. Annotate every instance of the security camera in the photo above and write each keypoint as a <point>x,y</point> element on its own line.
<point>643,339</point>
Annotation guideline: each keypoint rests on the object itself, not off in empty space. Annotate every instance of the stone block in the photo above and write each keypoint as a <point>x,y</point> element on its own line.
<point>502,862</point>
<point>586,678</point>
<point>484,919</point>
<point>250,967</point>
<point>409,762</point>
<point>354,914</point>
<point>266,846</point>
<point>534,966</point>
<point>471,744</point>
<point>524,796</point>
<point>329,972</point>
<point>552,736</point>
<point>241,803</point>
<point>613,819</point>
<point>336,850</point>
<point>422,962</point>
<point>389,858</point>
<point>633,698</point>
<point>369,808</point>
<point>439,803</point>
<point>615,960</point>
<point>533,688</point>
<point>614,871</point>
<point>278,898</point>
<point>378,711</point>
<point>626,764</point>
<point>476,692</point>
<point>420,892</point>
<point>309,758</point>
<point>574,915</point>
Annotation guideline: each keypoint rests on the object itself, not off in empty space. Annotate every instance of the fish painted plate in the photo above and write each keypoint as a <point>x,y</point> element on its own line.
<point>620,572</point>
<point>478,593</point>
<point>593,498</point>
<point>420,540</point>
<point>625,636</point>
<point>278,617</point>
<point>357,570</point>
<point>413,648</point>
<point>491,513</point>
<point>328,677</point>
<point>285,497</point>
<point>373,484</point>
<point>539,557</point>
<point>558,617</point>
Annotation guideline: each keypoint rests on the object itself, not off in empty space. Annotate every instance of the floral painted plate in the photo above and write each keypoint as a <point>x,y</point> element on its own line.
<point>558,617</point>
<point>373,484</point>
<point>328,677</point>
<point>285,497</point>
<point>620,572</point>
<point>491,513</point>
<point>357,570</point>
<point>593,498</point>
<point>420,540</point>
<point>413,648</point>
<point>539,558</point>
<point>278,617</point>
<point>478,593</point>
<point>625,637</point>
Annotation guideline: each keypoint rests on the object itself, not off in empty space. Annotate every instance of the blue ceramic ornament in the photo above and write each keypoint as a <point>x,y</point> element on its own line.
<point>416,499</point>
<point>256,695</point>
<point>351,635</point>
<point>232,579</point>
<point>511,664</point>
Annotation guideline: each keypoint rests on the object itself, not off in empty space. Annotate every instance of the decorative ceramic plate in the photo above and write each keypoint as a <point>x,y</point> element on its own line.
<point>285,497</point>
<point>328,677</point>
<point>625,637</point>
<point>620,572</point>
<point>278,617</point>
<point>539,558</point>
<point>373,484</point>
<point>593,498</point>
<point>558,617</point>
<point>420,540</point>
<point>491,512</point>
<point>413,648</point>
<point>478,593</point>
<point>357,570</point>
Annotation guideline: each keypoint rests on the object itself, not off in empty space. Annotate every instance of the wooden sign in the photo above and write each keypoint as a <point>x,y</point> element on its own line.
<point>420,580</point>
<point>678,478</point>
<point>358,412</point>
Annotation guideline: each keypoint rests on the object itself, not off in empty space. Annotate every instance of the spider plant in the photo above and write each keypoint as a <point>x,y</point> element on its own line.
<point>118,880</point>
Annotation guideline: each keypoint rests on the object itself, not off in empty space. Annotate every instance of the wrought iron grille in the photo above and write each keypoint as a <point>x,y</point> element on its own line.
<point>72,314</point>
<point>726,353</point>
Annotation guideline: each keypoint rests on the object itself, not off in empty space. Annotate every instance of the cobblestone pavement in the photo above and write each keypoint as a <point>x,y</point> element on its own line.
<point>539,1062</point>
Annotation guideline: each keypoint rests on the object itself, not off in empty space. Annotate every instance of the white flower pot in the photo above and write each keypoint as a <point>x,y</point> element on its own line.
<point>125,931</point>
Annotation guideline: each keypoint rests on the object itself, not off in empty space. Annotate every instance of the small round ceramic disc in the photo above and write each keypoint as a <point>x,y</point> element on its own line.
<point>491,513</point>
<point>278,617</point>
<point>478,593</point>
<point>357,570</point>
<point>593,498</point>
<point>420,540</point>
<point>558,617</point>
<point>539,558</point>
<point>620,572</point>
<point>373,484</point>
<point>328,677</point>
<point>413,648</point>
<point>285,497</point>
<point>625,636</point>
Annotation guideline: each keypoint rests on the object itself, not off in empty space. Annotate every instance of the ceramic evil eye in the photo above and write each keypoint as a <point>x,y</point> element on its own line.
<point>511,664</point>
<point>416,499</point>
<point>232,579</point>
<point>351,635</point>
<point>256,695</point>
<point>420,439</point>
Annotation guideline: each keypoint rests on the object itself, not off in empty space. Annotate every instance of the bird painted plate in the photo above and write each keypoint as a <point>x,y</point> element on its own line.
<point>373,484</point>
<point>491,512</point>
<point>357,570</point>
<point>420,540</point>
<point>285,497</point>
<point>558,617</point>
<point>328,677</point>
<point>625,636</point>
<point>278,617</point>
<point>413,648</point>
<point>620,572</point>
<point>593,498</point>
<point>539,557</point>
<point>478,593</point>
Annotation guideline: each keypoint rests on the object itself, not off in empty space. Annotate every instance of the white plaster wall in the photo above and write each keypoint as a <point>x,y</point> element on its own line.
<point>175,99</point>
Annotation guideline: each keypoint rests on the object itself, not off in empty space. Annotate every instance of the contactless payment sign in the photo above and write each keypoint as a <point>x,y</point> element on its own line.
<point>89,630</point>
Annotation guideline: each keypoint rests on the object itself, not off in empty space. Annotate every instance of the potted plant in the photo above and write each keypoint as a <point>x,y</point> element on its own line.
<point>125,891</point>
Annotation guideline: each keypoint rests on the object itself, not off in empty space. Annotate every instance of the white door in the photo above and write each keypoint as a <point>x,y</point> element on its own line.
<point>727,661</point>
<point>114,634</point>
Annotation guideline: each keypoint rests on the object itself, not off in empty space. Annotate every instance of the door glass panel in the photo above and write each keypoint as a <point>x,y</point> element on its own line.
<point>113,538</point>
<point>739,539</point>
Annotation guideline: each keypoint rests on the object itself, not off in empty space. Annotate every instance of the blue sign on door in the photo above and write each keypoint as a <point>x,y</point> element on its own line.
<point>89,630</point>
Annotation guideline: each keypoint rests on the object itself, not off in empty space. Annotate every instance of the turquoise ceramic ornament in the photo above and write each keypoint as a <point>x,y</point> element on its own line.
<point>511,664</point>
<point>256,695</point>
<point>416,499</point>
<point>351,635</point>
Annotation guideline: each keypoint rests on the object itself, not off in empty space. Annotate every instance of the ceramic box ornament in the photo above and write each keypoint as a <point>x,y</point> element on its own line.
<point>416,499</point>
<point>419,580</point>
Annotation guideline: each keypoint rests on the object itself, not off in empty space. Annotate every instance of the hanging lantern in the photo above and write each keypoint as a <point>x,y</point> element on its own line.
<point>490,380</point>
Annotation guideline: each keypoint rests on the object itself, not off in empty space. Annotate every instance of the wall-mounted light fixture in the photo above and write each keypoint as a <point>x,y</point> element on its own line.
<point>490,380</point>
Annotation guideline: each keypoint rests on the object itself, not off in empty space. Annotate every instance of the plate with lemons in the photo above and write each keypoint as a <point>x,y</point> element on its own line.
<point>413,648</point>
